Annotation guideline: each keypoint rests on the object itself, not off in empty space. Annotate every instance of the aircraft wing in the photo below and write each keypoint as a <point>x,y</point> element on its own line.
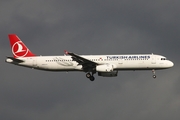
<point>81,60</point>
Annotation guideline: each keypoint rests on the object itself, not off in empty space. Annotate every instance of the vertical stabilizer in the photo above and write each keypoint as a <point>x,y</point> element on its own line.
<point>19,49</point>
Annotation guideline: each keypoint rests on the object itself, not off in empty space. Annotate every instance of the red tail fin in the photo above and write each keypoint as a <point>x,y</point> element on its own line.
<point>19,49</point>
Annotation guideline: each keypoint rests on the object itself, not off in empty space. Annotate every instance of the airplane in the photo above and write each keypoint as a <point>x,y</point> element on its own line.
<point>104,65</point>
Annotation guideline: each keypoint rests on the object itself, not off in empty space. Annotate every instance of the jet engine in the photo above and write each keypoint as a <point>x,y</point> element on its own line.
<point>108,74</point>
<point>104,68</point>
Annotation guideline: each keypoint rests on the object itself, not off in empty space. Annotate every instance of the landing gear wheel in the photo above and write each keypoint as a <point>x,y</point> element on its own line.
<point>92,78</point>
<point>154,76</point>
<point>153,71</point>
<point>88,75</point>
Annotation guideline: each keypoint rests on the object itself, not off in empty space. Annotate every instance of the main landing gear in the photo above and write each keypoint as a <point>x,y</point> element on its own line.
<point>91,77</point>
<point>154,75</point>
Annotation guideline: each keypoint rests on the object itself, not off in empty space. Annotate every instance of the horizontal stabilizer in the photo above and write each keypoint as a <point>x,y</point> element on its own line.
<point>12,59</point>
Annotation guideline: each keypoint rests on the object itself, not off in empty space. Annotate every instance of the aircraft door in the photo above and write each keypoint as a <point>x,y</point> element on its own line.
<point>120,61</point>
<point>153,59</point>
<point>34,62</point>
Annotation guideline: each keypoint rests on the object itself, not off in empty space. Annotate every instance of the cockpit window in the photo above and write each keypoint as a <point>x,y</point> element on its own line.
<point>163,58</point>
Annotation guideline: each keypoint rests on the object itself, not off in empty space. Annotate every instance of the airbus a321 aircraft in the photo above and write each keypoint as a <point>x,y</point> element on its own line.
<point>104,65</point>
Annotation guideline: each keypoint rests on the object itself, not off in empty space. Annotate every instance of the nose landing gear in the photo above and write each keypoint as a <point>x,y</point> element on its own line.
<point>154,74</point>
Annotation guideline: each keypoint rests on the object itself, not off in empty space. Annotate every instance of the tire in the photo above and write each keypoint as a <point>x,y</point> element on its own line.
<point>92,78</point>
<point>154,76</point>
<point>88,75</point>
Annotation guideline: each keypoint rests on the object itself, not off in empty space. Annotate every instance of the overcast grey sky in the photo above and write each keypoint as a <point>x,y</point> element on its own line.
<point>90,27</point>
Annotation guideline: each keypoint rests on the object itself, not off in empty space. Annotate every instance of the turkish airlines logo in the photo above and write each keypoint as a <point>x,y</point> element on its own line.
<point>19,50</point>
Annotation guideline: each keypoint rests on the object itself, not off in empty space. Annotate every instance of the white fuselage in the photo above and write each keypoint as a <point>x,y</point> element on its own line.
<point>104,65</point>
<point>119,62</point>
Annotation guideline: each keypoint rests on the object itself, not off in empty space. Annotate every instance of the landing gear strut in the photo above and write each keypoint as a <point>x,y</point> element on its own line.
<point>91,77</point>
<point>154,74</point>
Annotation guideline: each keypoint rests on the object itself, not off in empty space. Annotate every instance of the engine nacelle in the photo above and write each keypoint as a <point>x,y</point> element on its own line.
<point>108,74</point>
<point>104,68</point>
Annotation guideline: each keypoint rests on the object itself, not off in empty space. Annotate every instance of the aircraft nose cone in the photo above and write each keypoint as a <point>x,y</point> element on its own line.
<point>171,64</point>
